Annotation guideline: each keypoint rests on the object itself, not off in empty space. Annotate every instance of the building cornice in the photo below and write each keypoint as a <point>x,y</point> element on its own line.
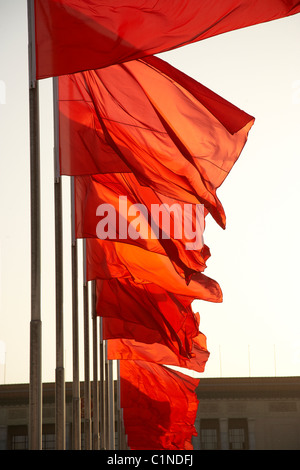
<point>249,387</point>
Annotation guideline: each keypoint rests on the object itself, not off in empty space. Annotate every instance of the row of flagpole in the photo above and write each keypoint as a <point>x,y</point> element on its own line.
<point>99,422</point>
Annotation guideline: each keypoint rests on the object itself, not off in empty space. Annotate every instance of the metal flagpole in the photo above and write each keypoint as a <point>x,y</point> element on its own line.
<point>95,372</point>
<point>35,386</point>
<point>123,436</point>
<point>87,384</point>
<point>76,428</point>
<point>112,406</point>
<point>103,442</point>
<point>107,401</point>
<point>120,430</point>
<point>60,413</point>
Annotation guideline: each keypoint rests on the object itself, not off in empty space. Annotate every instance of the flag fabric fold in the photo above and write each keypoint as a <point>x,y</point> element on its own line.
<point>146,313</point>
<point>176,136</point>
<point>76,35</point>
<point>159,403</point>
<point>116,207</point>
<point>107,260</point>
<point>158,353</point>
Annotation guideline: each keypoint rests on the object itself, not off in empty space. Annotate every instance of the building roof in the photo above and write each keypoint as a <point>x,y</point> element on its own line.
<point>208,388</point>
<point>249,387</point>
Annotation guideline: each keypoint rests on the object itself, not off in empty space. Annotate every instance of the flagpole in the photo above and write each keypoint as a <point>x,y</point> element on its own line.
<point>76,428</point>
<point>87,384</point>
<point>123,436</point>
<point>112,406</point>
<point>60,412</point>
<point>102,390</point>
<point>35,386</point>
<point>95,372</point>
<point>107,401</point>
<point>120,427</point>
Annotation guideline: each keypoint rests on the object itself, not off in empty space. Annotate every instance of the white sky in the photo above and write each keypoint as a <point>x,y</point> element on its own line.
<point>255,331</point>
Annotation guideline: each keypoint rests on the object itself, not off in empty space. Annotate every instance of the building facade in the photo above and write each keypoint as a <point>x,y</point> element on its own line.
<point>248,413</point>
<point>14,416</point>
<point>234,413</point>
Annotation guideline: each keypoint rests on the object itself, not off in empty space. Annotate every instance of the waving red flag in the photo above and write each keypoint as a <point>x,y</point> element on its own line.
<point>176,136</point>
<point>158,353</point>
<point>159,400</point>
<point>116,207</point>
<point>147,313</point>
<point>76,35</point>
<point>107,260</point>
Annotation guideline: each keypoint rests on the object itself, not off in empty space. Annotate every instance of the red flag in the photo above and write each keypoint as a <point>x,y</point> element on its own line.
<point>154,438</point>
<point>176,136</point>
<point>129,214</point>
<point>107,260</point>
<point>76,35</point>
<point>159,400</point>
<point>147,313</point>
<point>158,353</point>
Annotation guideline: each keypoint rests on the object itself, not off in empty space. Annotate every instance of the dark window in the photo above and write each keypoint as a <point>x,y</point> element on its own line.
<point>48,437</point>
<point>19,442</point>
<point>238,434</point>
<point>209,434</point>
<point>17,438</point>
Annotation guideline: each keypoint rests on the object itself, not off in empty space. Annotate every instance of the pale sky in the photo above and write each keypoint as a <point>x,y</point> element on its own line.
<point>255,331</point>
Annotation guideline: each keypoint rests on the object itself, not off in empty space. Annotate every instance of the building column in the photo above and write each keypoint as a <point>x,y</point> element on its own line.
<point>224,433</point>
<point>251,433</point>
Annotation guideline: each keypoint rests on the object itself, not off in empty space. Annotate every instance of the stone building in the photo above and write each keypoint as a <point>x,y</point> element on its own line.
<point>248,413</point>
<point>234,413</point>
